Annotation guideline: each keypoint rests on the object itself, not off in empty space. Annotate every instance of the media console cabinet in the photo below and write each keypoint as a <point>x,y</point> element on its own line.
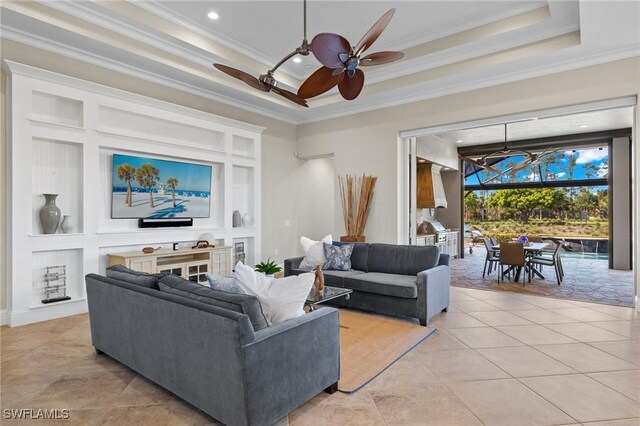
<point>190,264</point>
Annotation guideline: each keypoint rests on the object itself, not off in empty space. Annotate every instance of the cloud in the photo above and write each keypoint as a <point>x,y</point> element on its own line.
<point>603,170</point>
<point>560,174</point>
<point>591,155</point>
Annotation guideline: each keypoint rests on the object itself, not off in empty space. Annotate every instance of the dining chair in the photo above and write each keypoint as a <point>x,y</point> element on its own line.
<point>493,257</point>
<point>554,261</point>
<point>511,255</point>
<point>494,241</point>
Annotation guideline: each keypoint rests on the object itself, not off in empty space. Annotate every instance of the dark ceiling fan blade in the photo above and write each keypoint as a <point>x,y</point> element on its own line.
<point>380,58</point>
<point>350,87</point>
<point>319,82</point>
<point>290,95</point>
<point>327,48</point>
<point>477,163</point>
<point>241,75</point>
<point>374,32</point>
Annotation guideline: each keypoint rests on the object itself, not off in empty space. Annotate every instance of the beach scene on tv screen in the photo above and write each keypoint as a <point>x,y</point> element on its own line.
<point>155,189</point>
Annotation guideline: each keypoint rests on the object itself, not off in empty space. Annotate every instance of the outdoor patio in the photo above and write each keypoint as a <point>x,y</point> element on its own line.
<point>585,280</point>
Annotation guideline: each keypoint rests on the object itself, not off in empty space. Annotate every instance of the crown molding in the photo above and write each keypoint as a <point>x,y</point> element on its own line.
<point>420,94</point>
<point>171,15</point>
<point>83,11</point>
<point>51,46</point>
<point>430,36</point>
<point>465,52</point>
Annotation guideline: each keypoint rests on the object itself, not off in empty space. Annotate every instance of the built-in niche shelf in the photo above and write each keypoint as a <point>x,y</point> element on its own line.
<point>244,193</point>
<point>243,147</point>
<point>73,261</point>
<point>53,109</point>
<point>57,168</point>
<point>247,245</point>
<point>141,126</point>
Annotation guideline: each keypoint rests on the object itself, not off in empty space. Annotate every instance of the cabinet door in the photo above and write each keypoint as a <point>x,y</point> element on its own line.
<point>196,271</point>
<point>147,265</point>
<point>221,262</point>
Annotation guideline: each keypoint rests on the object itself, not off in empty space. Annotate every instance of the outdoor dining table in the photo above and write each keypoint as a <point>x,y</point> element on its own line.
<point>529,250</point>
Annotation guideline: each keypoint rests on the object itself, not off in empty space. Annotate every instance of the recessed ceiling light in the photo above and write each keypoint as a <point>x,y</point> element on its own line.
<point>212,15</point>
<point>459,141</point>
<point>297,60</point>
<point>584,125</point>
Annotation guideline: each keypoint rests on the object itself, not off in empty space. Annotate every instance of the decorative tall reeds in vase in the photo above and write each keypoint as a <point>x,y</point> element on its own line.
<point>356,194</point>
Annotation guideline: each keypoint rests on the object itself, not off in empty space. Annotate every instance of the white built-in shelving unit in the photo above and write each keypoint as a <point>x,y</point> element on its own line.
<point>62,134</point>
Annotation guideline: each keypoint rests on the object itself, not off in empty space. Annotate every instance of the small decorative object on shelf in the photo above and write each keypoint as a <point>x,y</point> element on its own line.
<point>238,249</point>
<point>55,289</point>
<point>67,224</point>
<point>236,219</point>
<point>356,195</point>
<point>150,250</point>
<point>246,220</point>
<point>269,268</point>
<point>318,282</point>
<point>176,246</point>
<point>50,214</point>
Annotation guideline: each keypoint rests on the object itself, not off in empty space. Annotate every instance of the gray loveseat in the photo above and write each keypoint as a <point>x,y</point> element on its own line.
<point>222,360</point>
<point>411,281</point>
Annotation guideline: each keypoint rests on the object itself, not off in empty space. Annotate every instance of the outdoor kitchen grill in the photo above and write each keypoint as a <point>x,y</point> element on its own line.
<point>435,228</point>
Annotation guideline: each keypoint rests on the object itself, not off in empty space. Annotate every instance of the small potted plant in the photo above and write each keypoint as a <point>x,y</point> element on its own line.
<point>269,268</point>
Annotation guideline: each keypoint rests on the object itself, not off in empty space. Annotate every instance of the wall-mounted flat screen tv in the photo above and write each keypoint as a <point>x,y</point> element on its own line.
<point>157,189</point>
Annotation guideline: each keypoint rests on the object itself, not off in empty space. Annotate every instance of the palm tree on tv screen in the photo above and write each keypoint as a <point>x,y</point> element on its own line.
<point>148,176</point>
<point>126,173</point>
<point>173,184</point>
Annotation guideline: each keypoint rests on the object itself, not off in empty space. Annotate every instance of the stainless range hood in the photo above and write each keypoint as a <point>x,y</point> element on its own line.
<point>430,190</point>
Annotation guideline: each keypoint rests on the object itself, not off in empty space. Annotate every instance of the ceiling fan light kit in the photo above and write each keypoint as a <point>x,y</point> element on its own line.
<point>340,61</point>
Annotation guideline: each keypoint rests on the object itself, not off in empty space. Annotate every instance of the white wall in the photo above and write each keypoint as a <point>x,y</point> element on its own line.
<point>316,198</point>
<point>437,151</point>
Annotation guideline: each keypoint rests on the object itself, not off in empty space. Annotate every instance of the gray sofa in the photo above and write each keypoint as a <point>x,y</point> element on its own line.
<point>410,281</point>
<point>222,360</point>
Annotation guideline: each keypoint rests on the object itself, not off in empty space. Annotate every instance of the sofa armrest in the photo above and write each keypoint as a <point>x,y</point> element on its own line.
<point>291,362</point>
<point>445,260</point>
<point>290,264</point>
<point>433,291</point>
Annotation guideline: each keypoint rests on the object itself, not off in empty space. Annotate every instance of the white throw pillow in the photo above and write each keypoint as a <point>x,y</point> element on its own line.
<point>281,298</point>
<point>313,252</point>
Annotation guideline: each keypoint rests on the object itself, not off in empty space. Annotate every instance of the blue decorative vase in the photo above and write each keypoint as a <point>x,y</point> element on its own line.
<point>50,214</point>
<point>523,239</point>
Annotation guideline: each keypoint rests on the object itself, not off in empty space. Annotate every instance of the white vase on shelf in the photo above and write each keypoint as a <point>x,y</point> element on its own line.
<point>67,224</point>
<point>246,220</point>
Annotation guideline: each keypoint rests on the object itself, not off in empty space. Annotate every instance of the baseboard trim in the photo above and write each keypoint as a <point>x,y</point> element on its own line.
<point>29,316</point>
<point>3,317</point>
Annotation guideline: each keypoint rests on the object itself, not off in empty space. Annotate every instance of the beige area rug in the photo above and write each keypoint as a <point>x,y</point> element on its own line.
<point>369,344</point>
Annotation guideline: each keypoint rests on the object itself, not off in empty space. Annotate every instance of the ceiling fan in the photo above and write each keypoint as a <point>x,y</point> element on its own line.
<point>530,158</point>
<point>340,62</point>
<point>267,82</point>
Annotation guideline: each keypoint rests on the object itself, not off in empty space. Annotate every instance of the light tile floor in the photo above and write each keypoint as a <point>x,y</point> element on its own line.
<point>497,358</point>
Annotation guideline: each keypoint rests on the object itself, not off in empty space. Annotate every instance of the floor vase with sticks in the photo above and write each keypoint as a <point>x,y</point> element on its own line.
<point>356,195</point>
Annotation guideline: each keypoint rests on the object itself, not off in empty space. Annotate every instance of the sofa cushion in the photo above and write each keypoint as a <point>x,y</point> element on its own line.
<point>402,260</point>
<point>359,256</point>
<point>243,303</point>
<point>224,283</point>
<point>336,278</point>
<point>386,284</point>
<point>338,258</point>
<point>313,252</point>
<point>122,273</point>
